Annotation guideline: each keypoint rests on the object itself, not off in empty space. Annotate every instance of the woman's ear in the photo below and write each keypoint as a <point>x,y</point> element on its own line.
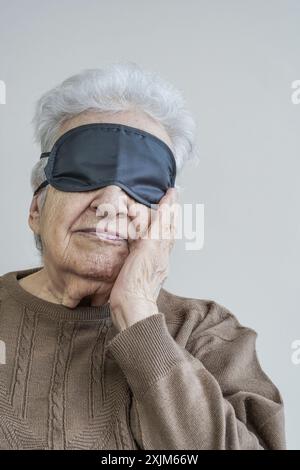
<point>34,215</point>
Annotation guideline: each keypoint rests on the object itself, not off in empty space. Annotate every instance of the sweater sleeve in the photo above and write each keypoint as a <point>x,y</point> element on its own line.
<point>179,404</point>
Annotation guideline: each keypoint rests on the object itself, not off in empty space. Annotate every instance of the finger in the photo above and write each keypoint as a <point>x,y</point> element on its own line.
<point>170,197</point>
<point>167,221</point>
<point>161,218</point>
<point>140,220</point>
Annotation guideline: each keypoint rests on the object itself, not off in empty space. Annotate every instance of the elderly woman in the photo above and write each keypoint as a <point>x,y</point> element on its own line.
<point>98,354</point>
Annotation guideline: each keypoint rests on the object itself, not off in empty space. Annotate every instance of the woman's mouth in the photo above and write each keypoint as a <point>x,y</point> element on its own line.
<point>107,236</point>
<point>102,235</point>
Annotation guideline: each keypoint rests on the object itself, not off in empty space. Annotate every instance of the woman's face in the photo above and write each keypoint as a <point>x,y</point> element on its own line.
<point>66,216</point>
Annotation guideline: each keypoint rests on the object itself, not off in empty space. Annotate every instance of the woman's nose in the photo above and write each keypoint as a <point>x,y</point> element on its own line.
<point>111,199</point>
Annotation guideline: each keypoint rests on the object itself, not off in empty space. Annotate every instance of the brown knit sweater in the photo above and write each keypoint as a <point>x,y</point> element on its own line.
<point>185,378</point>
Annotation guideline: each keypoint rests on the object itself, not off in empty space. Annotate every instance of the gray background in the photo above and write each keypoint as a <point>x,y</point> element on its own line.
<point>235,62</point>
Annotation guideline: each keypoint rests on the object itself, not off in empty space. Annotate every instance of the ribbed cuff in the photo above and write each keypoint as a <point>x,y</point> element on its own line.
<point>145,352</point>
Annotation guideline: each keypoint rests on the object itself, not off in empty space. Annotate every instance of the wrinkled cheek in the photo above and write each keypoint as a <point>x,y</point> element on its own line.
<point>56,244</point>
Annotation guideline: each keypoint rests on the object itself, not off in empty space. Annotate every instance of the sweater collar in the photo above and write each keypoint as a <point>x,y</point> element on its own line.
<point>50,309</point>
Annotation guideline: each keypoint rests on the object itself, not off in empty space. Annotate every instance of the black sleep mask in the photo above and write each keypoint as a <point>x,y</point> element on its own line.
<point>94,155</point>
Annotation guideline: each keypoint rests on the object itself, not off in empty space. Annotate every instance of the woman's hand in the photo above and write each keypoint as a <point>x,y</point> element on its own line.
<point>135,291</point>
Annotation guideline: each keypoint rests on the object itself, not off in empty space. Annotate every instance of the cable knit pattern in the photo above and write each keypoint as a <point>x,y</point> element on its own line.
<point>123,428</point>
<point>19,386</point>
<point>97,376</point>
<point>57,432</point>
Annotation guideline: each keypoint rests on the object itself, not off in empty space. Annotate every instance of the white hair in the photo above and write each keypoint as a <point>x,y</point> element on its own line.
<point>118,87</point>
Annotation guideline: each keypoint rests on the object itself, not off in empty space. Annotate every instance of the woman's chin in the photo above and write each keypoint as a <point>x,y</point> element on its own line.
<point>97,267</point>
